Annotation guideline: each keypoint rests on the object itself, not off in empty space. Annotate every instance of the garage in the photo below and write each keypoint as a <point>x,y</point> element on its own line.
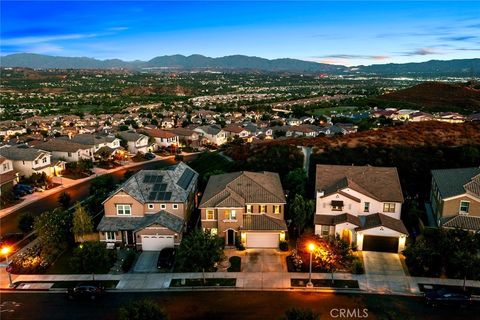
<point>156,242</point>
<point>379,243</point>
<point>262,240</point>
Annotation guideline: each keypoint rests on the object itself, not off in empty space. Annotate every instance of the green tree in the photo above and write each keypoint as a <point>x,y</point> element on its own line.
<point>53,230</point>
<point>295,182</point>
<point>64,199</point>
<point>26,222</point>
<point>145,309</point>
<point>301,212</point>
<point>300,314</point>
<point>92,257</point>
<point>199,251</point>
<point>82,222</point>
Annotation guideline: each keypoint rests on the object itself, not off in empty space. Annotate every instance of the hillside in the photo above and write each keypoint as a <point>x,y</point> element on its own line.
<point>438,96</point>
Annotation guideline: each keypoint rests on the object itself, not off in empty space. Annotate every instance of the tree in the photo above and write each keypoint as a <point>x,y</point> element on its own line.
<point>145,309</point>
<point>53,231</point>
<point>295,182</point>
<point>301,212</point>
<point>64,199</point>
<point>92,257</point>
<point>82,222</point>
<point>199,251</point>
<point>26,222</point>
<point>300,314</point>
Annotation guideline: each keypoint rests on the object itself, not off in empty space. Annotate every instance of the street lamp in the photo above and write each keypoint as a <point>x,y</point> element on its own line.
<point>5,251</point>
<point>311,247</point>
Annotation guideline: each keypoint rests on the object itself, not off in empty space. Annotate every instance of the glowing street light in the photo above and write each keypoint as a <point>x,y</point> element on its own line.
<point>311,247</point>
<point>5,251</point>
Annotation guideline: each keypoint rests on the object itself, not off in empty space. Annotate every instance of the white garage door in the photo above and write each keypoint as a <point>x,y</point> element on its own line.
<point>262,240</point>
<point>156,243</point>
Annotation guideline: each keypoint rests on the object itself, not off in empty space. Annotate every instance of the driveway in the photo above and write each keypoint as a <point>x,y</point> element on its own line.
<point>263,260</point>
<point>382,263</point>
<point>147,262</point>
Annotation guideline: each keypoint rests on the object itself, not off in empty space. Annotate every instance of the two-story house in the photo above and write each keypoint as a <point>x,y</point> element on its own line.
<point>98,141</point>
<point>213,134</point>
<point>163,138</point>
<point>67,150</point>
<point>455,198</point>
<point>136,142</point>
<point>245,206</point>
<point>27,160</point>
<point>362,204</point>
<point>150,209</point>
<point>8,176</point>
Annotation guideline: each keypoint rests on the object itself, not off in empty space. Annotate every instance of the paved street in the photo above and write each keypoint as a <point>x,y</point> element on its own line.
<point>225,305</point>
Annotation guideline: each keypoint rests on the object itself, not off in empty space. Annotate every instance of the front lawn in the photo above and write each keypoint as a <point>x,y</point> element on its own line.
<point>326,283</point>
<point>235,264</point>
<point>62,264</point>
<point>214,282</point>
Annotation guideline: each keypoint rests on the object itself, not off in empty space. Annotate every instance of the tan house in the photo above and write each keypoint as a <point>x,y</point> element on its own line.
<point>455,198</point>
<point>8,176</point>
<point>361,204</point>
<point>150,209</point>
<point>245,206</point>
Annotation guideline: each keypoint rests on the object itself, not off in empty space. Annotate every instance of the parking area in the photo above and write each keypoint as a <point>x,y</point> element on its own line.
<point>147,262</point>
<point>382,263</point>
<point>264,260</point>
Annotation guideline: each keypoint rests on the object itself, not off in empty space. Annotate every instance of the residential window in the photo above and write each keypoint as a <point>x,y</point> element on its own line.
<point>110,236</point>
<point>151,206</point>
<point>263,208</point>
<point>213,231</point>
<point>210,215</point>
<point>124,209</point>
<point>337,205</point>
<point>325,232</point>
<point>163,206</point>
<point>366,207</point>
<point>44,160</point>
<point>36,161</point>
<point>175,206</point>
<point>389,207</point>
<point>230,215</point>
<point>69,154</point>
<point>464,207</point>
<point>249,208</point>
<point>276,209</point>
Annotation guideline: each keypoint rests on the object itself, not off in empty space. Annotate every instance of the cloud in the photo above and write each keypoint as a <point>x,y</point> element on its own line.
<point>420,52</point>
<point>118,28</point>
<point>353,56</point>
<point>467,49</point>
<point>458,38</point>
<point>42,39</point>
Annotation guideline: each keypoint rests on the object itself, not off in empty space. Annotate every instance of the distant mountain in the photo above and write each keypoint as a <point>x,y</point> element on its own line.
<point>236,62</point>
<point>463,67</point>
<point>438,96</point>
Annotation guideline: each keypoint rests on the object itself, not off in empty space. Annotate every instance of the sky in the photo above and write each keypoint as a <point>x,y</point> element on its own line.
<point>339,32</point>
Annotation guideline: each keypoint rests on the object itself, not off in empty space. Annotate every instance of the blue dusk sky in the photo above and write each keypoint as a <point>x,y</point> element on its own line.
<point>339,32</point>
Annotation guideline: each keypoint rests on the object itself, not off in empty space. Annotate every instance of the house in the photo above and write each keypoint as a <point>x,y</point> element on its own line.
<point>136,142</point>
<point>150,209</point>
<point>362,205</point>
<point>8,176</point>
<point>163,138</point>
<point>95,142</point>
<point>236,131</point>
<point>245,206</point>
<point>420,116</point>
<point>28,161</point>
<point>213,134</point>
<point>66,149</point>
<point>187,137</point>
<point>455,198</point>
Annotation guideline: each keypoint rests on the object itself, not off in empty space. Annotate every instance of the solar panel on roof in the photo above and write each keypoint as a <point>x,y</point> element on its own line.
<point>160,195</point>
<point>159,187</point>
<point>168,196</point>
<point>159,179</point>
<point>152,196</point>
<point>185,179</point>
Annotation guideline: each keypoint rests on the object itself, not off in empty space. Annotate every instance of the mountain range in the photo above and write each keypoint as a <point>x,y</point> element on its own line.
<point>460,67</point>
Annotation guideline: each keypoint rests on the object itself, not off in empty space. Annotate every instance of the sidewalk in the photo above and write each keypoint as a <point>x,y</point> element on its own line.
<point>67,183</point>
<point>251,281</point>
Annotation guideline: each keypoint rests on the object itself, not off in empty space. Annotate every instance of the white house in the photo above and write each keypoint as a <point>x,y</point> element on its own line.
<point>67,150</point>
<point>213,133</point>
<point>28,161</point>
<point>136,142</point>
<point>163,138</point>
<point>361,204</point>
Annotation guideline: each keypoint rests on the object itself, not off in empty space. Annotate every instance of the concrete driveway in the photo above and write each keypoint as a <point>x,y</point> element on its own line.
<point>264,260</point>
<point>382,263</point>
<point>147,262</point>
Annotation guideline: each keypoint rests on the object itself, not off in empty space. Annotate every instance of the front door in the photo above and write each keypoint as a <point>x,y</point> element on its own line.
<point>128,237</point>
<point>230,237</point>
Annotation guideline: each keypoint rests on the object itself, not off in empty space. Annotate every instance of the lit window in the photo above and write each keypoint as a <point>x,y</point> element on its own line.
<point>337,205</point>
<point>325,231</point>
<point>230,215</point>
<point>110,236</point>
<point>263,208</point>
<point>366,207</point>
<point>389,207</point>
<point>124,209</point>
<point>210,215</point>
<point>249,208</point>
<point>276,209</point>
<point>464,207</point>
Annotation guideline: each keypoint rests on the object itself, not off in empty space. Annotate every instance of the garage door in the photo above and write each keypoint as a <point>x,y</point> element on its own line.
<point>156,243</point>
<point>262,240</point>
<point>382,244</point>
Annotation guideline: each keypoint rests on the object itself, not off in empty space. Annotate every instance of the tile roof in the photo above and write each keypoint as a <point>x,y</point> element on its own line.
<point>464,222</point>
<point>162,217</point>
<point>130,136</point>
<point>212,130</point>
<point>380,183</point>
<point>171,177</point>
<point>451,182</point>
<point>22,152</point>
<point>8,176</point>
<point>92,139</point>
<point>159,133</point>
<point>331,220</point>
<point>62,145</point>
<point>380,220</point>
<point>239,188</point>
<point>262,222</point>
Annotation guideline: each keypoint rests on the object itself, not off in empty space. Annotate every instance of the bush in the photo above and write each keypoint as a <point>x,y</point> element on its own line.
<point>235,264</point>
<point>128,262</point>
<point>26,222</point>
<point>142,310</point>
<point>92,257</point>
<point>238,244</point>
<point>30,261</point>
<point>357,267</point>
<point>283,246</point>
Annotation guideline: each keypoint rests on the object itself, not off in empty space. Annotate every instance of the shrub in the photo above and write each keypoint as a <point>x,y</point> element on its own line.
<point>142,310</point>
<point>357,267</point>
<point>26,222</point>
<point>92,257</point>
<point>238,244</point>
<point>128,262</point>
<point>284,246</point>
<point>30,261</point>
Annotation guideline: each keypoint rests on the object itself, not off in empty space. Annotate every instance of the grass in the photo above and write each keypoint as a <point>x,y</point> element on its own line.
<point>107,284</point>
<point>62,264</point>
<point>210,161</point>
<point>472,290</point>
<point>213,282</point>
<point>326,283</point>
<point>235,264</point>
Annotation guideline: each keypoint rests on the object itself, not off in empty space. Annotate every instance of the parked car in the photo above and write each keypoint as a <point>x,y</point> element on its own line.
<point>166,258</point>
<point>23,188</point>
<point>149,156</point>
<point>85,291</point>
<point>446,297</point>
